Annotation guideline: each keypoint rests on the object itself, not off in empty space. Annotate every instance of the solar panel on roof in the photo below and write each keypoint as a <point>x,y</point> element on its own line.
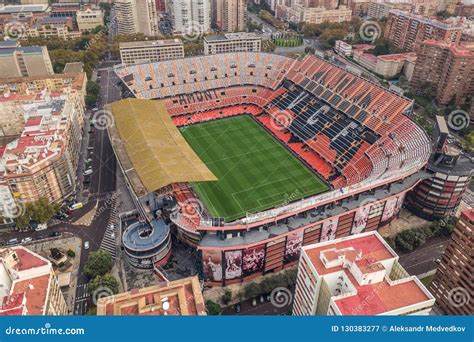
<point>311,86</point>
<point>304,82</point>
<point>344,105</point>
<point>319,90</point>
<point>362,115</point>
<point>326,94</point>
<point>352,110</point>
<point>335,100</point>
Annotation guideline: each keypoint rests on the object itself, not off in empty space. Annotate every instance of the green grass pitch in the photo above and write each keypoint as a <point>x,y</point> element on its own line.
<point>255,171</point>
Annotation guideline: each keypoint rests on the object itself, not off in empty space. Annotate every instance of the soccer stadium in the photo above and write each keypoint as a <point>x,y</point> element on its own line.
<point>250,156</point>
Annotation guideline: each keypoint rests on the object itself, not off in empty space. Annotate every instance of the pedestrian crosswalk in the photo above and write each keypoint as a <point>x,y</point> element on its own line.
<point>109,240</point>
<point>82,292</point>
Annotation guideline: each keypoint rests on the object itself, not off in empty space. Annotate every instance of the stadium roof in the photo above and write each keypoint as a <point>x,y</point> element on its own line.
<point>150,148</point>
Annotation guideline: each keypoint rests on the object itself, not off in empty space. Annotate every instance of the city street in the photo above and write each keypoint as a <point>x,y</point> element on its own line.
<point>423,259</point>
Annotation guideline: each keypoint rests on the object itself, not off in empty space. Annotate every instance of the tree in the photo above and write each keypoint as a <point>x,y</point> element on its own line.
<point>328,37</point>
<point>213,308</point>
<point>40,211</point>
<point>252,290</point>
<point>106,282</point>
<point>268,46</point>
<point>98,264</point>
<point>227,297</point>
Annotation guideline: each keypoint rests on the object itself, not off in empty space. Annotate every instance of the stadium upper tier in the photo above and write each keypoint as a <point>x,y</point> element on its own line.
<point>351,131</point>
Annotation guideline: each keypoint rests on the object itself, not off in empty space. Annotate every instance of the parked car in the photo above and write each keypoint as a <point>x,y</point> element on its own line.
<point>13,241</point>
<point>39,237</point>
<point>54,234</point>
<point>86,245</point>
<point>26,240</point>
<point>88,172</point>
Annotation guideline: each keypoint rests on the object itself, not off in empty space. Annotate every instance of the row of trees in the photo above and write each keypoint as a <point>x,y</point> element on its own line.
<point>92,93</point>
<point>269,18</point>
<point>408,240</point>
<point>98,269</point>
<point>88,49</point>
<point>254,289</point>
<point>40,211</point>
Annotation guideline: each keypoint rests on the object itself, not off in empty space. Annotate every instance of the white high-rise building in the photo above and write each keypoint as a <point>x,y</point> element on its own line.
<point>190,16</point>
<point>134,16</point>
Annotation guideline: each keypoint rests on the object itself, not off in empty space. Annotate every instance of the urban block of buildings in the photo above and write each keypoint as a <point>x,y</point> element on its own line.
<point>181,297</point>
<point>447,68</point>
<point>406,31</point>
<point>150,51</point>
<point>379,8</point>
<point>229,15</point>
<point>190,16</point>
<point>42,122</point>
<point>232,42</point>
<point>387,66</point>
<point>64,20</point>
<point>357,275</point>
<point>88,19</point>
<point>28,61</point>
<point>453,285</point>
<point>28,285</point>
<point>300,13</point>
<point>133,16</point>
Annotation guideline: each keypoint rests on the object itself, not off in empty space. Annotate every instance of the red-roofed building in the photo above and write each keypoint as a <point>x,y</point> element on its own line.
<point>28,284</point>
<point>42,161</point>
<point>181,297</point>
<point>357,275</point>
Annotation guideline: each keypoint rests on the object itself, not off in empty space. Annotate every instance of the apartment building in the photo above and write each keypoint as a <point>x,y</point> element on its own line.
<point>406,31</point>
<point>190,16</point>
<point>298,13</point>
<point>230,15</point>
<point>150,51</point>
<point>387,65</point>
<point>134,16</point>
<point>28,285</point>
<point>357,275</point>
<point>25,61</point>
<point>449,68</point>
<point>232,42</point>
<point>379,10</point>
<point>42,161</point>
<point>60,27</point>
<point>181,297</point>
<point>88,19</point>
<point>453,285</point>
<point>22,16</point>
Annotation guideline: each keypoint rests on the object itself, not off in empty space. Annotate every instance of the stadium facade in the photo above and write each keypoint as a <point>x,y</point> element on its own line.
<point>355,136</point>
